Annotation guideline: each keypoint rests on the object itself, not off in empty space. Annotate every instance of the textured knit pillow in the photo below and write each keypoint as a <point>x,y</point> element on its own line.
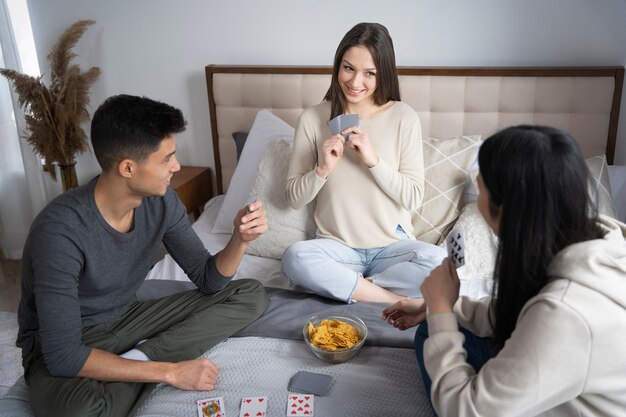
<point>286,225</point>
<point>600,187</point>
<point>447,164</point>
<point>481,245</point>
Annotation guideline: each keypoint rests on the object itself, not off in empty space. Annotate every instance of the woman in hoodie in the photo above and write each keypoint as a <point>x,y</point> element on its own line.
<point>551,339</point>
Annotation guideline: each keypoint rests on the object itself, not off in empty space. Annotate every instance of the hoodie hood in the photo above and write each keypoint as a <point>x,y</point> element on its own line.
<point>599,264</point>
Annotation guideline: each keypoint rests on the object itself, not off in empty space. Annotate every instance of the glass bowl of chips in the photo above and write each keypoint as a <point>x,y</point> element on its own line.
<point>334,338</point>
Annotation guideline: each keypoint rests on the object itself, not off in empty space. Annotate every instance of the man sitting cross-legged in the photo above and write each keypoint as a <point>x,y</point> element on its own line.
<point>89,251</point>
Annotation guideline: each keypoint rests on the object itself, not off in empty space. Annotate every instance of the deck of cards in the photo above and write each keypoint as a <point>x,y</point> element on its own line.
<point>342,122</point>
<point>456,246</point>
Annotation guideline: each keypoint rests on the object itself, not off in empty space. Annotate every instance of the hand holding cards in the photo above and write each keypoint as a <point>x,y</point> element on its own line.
<point>456,246</point>
<point>342,122</point>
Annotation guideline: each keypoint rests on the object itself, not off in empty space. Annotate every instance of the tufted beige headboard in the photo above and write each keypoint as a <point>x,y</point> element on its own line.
<point>450,102</point>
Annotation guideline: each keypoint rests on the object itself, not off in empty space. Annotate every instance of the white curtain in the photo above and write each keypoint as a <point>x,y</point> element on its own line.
<point>23,189</point>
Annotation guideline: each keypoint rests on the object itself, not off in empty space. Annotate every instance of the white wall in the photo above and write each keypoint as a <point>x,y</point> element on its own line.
<point>159,48</point>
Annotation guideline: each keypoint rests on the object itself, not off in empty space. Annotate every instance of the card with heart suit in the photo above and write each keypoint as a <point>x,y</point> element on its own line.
<point>253,407</point>
<point>456,246</point>
<point>211,407</point>
<point>300,405</point>
<point>343,121</point>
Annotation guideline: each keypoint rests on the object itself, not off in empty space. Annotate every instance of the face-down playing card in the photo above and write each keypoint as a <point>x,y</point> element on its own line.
<point>456,246</point>
<point>342,122</point>
<point>310,383</point>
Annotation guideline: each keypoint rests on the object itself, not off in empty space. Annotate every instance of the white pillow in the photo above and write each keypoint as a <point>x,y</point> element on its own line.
<point>617,179</point>
<point>266,127</point>
<point>286,225</point>
<point>481,246</point>
<point>599,186</point>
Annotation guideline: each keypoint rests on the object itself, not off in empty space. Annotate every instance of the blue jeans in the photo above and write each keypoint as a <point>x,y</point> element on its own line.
<point>479,351</point>
<point>331,269</point>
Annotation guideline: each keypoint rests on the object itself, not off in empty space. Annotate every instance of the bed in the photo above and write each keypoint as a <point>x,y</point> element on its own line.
<point>252,111</point>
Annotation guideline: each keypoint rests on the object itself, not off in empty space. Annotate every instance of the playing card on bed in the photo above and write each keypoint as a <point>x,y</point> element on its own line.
<point>310,383</point>
<point>343,121</point>
<point>253,407</point>
<point>300,404</point>
<point>212,407</point>
<point>456,246</point>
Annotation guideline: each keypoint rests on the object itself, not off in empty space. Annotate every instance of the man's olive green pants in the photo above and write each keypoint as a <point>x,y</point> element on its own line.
<point>178,327</point>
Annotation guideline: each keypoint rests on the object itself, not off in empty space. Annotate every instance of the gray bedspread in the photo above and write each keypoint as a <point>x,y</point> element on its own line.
<point>382,380</point>
<point>289,310</point>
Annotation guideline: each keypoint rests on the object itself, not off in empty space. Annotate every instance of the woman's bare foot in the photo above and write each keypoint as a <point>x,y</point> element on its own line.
<point>368,291</point>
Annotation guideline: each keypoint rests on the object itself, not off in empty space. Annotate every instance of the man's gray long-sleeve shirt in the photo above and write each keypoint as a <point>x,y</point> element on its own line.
<point>78,271</point>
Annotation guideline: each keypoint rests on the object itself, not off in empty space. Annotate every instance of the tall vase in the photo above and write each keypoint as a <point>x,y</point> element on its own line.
<point>69,179</point>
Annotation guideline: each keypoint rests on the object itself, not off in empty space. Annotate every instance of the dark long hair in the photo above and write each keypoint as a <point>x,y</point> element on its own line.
<point>376,39</point>
<point>538,181</point>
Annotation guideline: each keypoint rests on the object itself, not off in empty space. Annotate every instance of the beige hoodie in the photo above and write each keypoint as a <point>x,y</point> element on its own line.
<point>567,354</point>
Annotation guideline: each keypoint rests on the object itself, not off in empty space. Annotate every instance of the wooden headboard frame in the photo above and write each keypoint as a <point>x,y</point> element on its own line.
<point>616,73</point>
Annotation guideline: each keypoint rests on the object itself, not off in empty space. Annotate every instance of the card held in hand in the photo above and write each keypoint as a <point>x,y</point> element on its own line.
<point>212,407</point>
<point>342,122</point>
<point>253,407</point>
<point>310,383</point>
<point>456,246</point>
<point>300,405</point>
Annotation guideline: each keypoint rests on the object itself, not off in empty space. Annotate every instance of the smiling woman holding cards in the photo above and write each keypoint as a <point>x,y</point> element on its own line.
<point>358,156</point>
<point>552,336</point>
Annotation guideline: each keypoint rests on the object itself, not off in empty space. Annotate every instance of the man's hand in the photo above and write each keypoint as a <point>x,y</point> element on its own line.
<point>198,374</point>
<point>405,314</point>
<point>250,222</point>
<point>195,375</point>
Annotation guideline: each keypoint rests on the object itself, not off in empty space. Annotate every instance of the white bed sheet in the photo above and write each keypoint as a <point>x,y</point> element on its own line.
<point>265,270</point>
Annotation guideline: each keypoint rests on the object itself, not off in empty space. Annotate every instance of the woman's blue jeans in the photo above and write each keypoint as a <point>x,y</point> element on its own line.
<point>479,351</point>
<point>329,268</point>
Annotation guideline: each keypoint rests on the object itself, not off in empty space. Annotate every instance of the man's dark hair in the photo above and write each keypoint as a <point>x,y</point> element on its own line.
<point>126,126</point>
